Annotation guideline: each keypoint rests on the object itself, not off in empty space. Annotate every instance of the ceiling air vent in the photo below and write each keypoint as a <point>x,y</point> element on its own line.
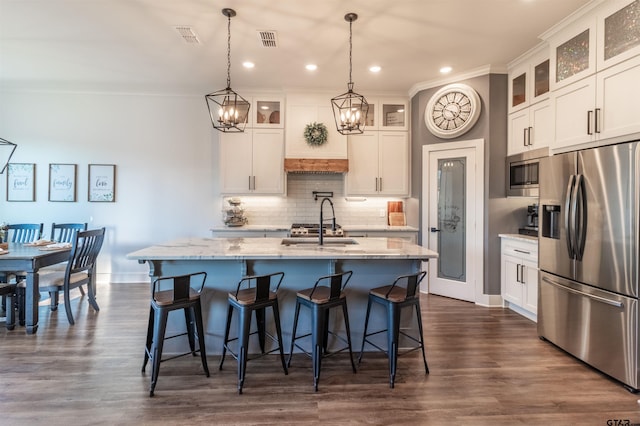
<point>187,34</point>
<point>268,38</point>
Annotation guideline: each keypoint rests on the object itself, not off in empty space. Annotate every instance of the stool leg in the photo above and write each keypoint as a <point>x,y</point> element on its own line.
<point>226,336</point>
<point>197,313</point>
<point>149,339</point>
<point>346,326</point>
<point>191,330</point>
<point>158,342</point>
<point>366,325</point>
<point>424,356</point>
<point>244,330</point>
<point>293,333</point>
<point>317,335</point>
<point>393,323</point>
<point>260,323</point>
<point>276,317</point>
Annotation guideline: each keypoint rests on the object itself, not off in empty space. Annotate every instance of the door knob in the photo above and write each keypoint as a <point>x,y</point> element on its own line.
<point>435,230</point>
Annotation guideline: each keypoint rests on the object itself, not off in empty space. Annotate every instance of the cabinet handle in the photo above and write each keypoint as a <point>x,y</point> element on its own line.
<point>380,184</point>
<point>589,115</point>
<point>254,183</point>
<point>597,116</point>
<point>522,274</point>
<point>521,251</point>
<point>529,136</point>
<point>518,272</point>
<point>249,183</point>
<point>524,136</point>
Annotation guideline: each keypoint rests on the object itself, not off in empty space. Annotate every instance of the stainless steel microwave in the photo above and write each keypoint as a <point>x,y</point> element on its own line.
<point>523,173</point>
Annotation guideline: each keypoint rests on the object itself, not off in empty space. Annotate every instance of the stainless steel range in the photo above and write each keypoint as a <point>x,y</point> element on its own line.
<point>313,229</point>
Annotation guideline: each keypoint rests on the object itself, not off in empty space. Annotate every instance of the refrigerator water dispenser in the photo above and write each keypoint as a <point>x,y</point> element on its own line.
<point>551,221</point>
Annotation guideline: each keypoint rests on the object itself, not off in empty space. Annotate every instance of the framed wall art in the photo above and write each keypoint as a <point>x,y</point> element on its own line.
<point>21,182</point>
<point>62,182</point>
<point>102,182</point>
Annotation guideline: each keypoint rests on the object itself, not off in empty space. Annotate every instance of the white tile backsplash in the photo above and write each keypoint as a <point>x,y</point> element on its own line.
<point>300,206</point>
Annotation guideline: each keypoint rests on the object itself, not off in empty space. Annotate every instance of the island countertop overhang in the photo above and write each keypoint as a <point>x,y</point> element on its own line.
<point>272,248</point>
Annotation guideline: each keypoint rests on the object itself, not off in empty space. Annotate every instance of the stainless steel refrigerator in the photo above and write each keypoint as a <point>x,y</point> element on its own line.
<point>588,257</point>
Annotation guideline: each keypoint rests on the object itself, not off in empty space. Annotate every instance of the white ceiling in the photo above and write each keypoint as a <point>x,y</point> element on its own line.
<point>132,45</point>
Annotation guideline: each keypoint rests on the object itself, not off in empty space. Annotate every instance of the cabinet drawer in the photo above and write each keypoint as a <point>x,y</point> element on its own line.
<point>521,249</point>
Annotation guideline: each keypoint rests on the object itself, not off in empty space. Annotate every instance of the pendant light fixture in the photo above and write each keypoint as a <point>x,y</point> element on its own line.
<point>6,151</point>
<point>350,109</point>
<point>228,110</point>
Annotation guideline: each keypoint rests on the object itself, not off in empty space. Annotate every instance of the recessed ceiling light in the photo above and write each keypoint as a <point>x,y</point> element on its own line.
<point>375,68</point>
<point>445,70</point>
<point>248,64</point>
<point>311,67</point>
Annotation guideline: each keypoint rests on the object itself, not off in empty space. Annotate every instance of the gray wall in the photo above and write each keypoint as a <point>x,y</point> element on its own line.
<point>502,214</point>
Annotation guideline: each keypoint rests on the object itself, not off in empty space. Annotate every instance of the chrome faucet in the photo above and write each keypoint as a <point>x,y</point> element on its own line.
<point>333,219</point>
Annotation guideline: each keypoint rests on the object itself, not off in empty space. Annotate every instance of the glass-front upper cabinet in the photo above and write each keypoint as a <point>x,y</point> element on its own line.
<point>602,37</point>
<point>267,112</point>
<point>393,114</point>
<point>618,32</point>
<point>529,78</point>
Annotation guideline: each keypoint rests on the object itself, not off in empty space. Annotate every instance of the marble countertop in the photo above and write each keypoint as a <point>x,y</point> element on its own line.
<point>272,248</point>
<point>262,228</point>
<point>527,238</point>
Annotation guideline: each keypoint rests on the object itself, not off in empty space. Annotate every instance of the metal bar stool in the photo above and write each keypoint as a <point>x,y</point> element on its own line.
<point>394,297</point>
<point>321,298</point>
<point>256,298</point>
<point>181,296</point>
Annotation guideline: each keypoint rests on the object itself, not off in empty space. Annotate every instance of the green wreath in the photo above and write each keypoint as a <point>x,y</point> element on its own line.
<point>315,134</point>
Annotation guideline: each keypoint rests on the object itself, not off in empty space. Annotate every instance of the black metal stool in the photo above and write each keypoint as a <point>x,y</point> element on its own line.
<point>246,301</point>
<point>394,297</point>
<point>321,299</point>
<point>181,296</point>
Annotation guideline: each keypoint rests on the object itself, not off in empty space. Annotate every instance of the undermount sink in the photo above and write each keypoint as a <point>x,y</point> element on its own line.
<point>327,241</point>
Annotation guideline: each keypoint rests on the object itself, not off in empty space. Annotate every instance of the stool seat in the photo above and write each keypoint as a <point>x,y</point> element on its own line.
<point>394,298</point>
<point>320,299</point>
<point>181,296</point>
<point>260,293</point>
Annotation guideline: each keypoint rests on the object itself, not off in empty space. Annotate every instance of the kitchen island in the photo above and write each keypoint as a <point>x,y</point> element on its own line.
<point>374,262</point>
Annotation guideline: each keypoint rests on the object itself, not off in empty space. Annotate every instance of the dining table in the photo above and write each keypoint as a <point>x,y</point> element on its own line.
<point>29,259</point>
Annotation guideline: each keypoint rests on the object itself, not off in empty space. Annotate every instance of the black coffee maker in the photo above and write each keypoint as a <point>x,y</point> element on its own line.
<point>531,227</point>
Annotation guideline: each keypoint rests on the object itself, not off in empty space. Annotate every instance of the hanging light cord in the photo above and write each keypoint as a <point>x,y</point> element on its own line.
<point>350,48</point>
<point>228,51</point>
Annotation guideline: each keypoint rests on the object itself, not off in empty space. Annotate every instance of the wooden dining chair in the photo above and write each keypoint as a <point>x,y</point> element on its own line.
<point>80,270</point>
<point>62,233</point>
<point>24,232</point>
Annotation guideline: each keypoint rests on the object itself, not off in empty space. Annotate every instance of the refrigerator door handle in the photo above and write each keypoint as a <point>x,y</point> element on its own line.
<point>581,293</point>
<point>580,220</point>
<point>567,215</point>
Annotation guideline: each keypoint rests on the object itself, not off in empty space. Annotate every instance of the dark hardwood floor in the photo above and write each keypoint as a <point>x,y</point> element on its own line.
<point>488,367</point>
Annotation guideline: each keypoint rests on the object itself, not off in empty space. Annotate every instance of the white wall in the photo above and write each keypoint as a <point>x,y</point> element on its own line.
<point>163,152</point>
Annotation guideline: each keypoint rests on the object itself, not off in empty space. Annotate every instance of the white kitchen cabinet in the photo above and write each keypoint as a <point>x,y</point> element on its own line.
<point>601,107</point>
<point>530,128</point>
<point>519,276</point>
<point>307,109</point>
<point>378,164</point>
<point>252,162</point>
<point>531,117</point>
<point>605,35</point>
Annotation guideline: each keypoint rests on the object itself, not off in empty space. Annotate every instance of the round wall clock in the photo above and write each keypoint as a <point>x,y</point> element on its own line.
<point>452,111</point>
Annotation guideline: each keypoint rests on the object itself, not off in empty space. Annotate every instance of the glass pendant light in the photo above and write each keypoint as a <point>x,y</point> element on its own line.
<point>350,109</point>
<point>228,110</point>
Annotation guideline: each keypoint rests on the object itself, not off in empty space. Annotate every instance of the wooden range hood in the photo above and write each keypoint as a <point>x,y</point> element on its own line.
<point>316,165</point>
